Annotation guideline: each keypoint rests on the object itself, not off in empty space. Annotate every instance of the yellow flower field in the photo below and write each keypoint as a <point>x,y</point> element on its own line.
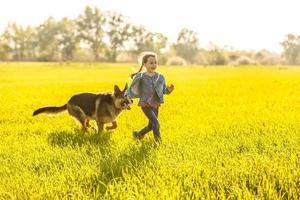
<point>227,133</point>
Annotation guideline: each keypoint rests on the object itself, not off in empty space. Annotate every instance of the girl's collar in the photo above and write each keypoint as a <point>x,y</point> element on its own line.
<point>155,74</point>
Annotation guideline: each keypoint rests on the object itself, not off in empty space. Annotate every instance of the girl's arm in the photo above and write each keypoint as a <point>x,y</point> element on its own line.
<point>133,90</point>
<point>167,89</point>
<point>170,88</point>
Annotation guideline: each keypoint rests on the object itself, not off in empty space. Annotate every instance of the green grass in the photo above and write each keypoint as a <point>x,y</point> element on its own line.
<point>228,133</point>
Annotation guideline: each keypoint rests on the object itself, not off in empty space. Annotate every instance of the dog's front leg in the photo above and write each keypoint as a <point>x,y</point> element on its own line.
<point>113,126</point>
<point>87,123</point>
<point>100,126</point>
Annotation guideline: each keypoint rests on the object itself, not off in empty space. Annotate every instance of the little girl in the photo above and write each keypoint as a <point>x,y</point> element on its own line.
<point>149,87</point>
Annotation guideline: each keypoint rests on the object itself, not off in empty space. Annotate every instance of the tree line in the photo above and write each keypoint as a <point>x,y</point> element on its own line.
<point>110,37</point>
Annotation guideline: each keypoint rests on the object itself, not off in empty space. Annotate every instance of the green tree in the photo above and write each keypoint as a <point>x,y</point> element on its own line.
<point>217,55</point>
<point>160,42</point>
<point>90,26</point>
<point>68,39</point>
<point>187,45</point>
<point>48,40</point>
<point>17,42</point>
<point>6,49</point>
<point>291,46</point>
<point>30,43</point>
<point>118,32</point>
<point>143,40</point>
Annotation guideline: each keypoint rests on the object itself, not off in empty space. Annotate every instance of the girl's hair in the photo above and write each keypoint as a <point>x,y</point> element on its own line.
<point>142,60</point>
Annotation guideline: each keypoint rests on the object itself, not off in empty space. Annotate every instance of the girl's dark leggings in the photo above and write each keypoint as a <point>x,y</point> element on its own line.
<point>152,115</point>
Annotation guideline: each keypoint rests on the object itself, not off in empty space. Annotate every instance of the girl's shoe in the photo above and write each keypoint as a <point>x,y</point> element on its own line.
<point>136,135</point>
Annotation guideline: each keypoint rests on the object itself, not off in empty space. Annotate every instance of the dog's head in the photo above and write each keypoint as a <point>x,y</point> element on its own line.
<point>121,101</point>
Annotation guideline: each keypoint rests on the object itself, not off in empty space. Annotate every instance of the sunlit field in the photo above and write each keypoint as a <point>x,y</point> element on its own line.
<point>227,133</point>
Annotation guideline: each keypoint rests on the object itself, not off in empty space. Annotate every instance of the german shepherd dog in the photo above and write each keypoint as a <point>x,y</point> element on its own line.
<point>102,107</point>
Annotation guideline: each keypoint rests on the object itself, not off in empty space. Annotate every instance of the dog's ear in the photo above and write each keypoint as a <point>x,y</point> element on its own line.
<point>117,90</point>
<point>126,87</point>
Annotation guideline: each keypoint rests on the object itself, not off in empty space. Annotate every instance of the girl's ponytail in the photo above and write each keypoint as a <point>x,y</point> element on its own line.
<point>133,74</point>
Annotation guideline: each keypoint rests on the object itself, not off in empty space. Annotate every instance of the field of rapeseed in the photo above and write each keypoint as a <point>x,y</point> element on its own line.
<point>227,133</point>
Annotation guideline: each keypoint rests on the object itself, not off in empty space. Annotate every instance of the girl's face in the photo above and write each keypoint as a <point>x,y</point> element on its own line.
<point>151,64</point>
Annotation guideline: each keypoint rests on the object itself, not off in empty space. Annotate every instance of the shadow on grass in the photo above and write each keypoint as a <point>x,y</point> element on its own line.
<point>112,166</point>
<point>130,161</point>
<point>79,138</point>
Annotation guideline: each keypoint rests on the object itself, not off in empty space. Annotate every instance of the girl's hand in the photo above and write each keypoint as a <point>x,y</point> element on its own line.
<point>170,88</point>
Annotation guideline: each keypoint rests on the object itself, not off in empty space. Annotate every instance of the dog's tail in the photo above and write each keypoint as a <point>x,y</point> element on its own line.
<point>52,110</point>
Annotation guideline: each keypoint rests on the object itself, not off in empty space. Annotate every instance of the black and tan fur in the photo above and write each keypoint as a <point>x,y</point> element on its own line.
<point>102,107</point>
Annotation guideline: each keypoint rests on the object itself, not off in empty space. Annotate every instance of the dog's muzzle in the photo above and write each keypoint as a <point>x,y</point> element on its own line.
<point>126,106</point>
<point>127,103</point>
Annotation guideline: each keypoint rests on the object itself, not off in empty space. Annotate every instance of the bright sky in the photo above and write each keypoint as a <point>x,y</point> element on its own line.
<point>242,24</point>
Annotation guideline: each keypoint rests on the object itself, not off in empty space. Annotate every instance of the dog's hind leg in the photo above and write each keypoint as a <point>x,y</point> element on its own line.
<point>113,126</point>
<point>78,114</point>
